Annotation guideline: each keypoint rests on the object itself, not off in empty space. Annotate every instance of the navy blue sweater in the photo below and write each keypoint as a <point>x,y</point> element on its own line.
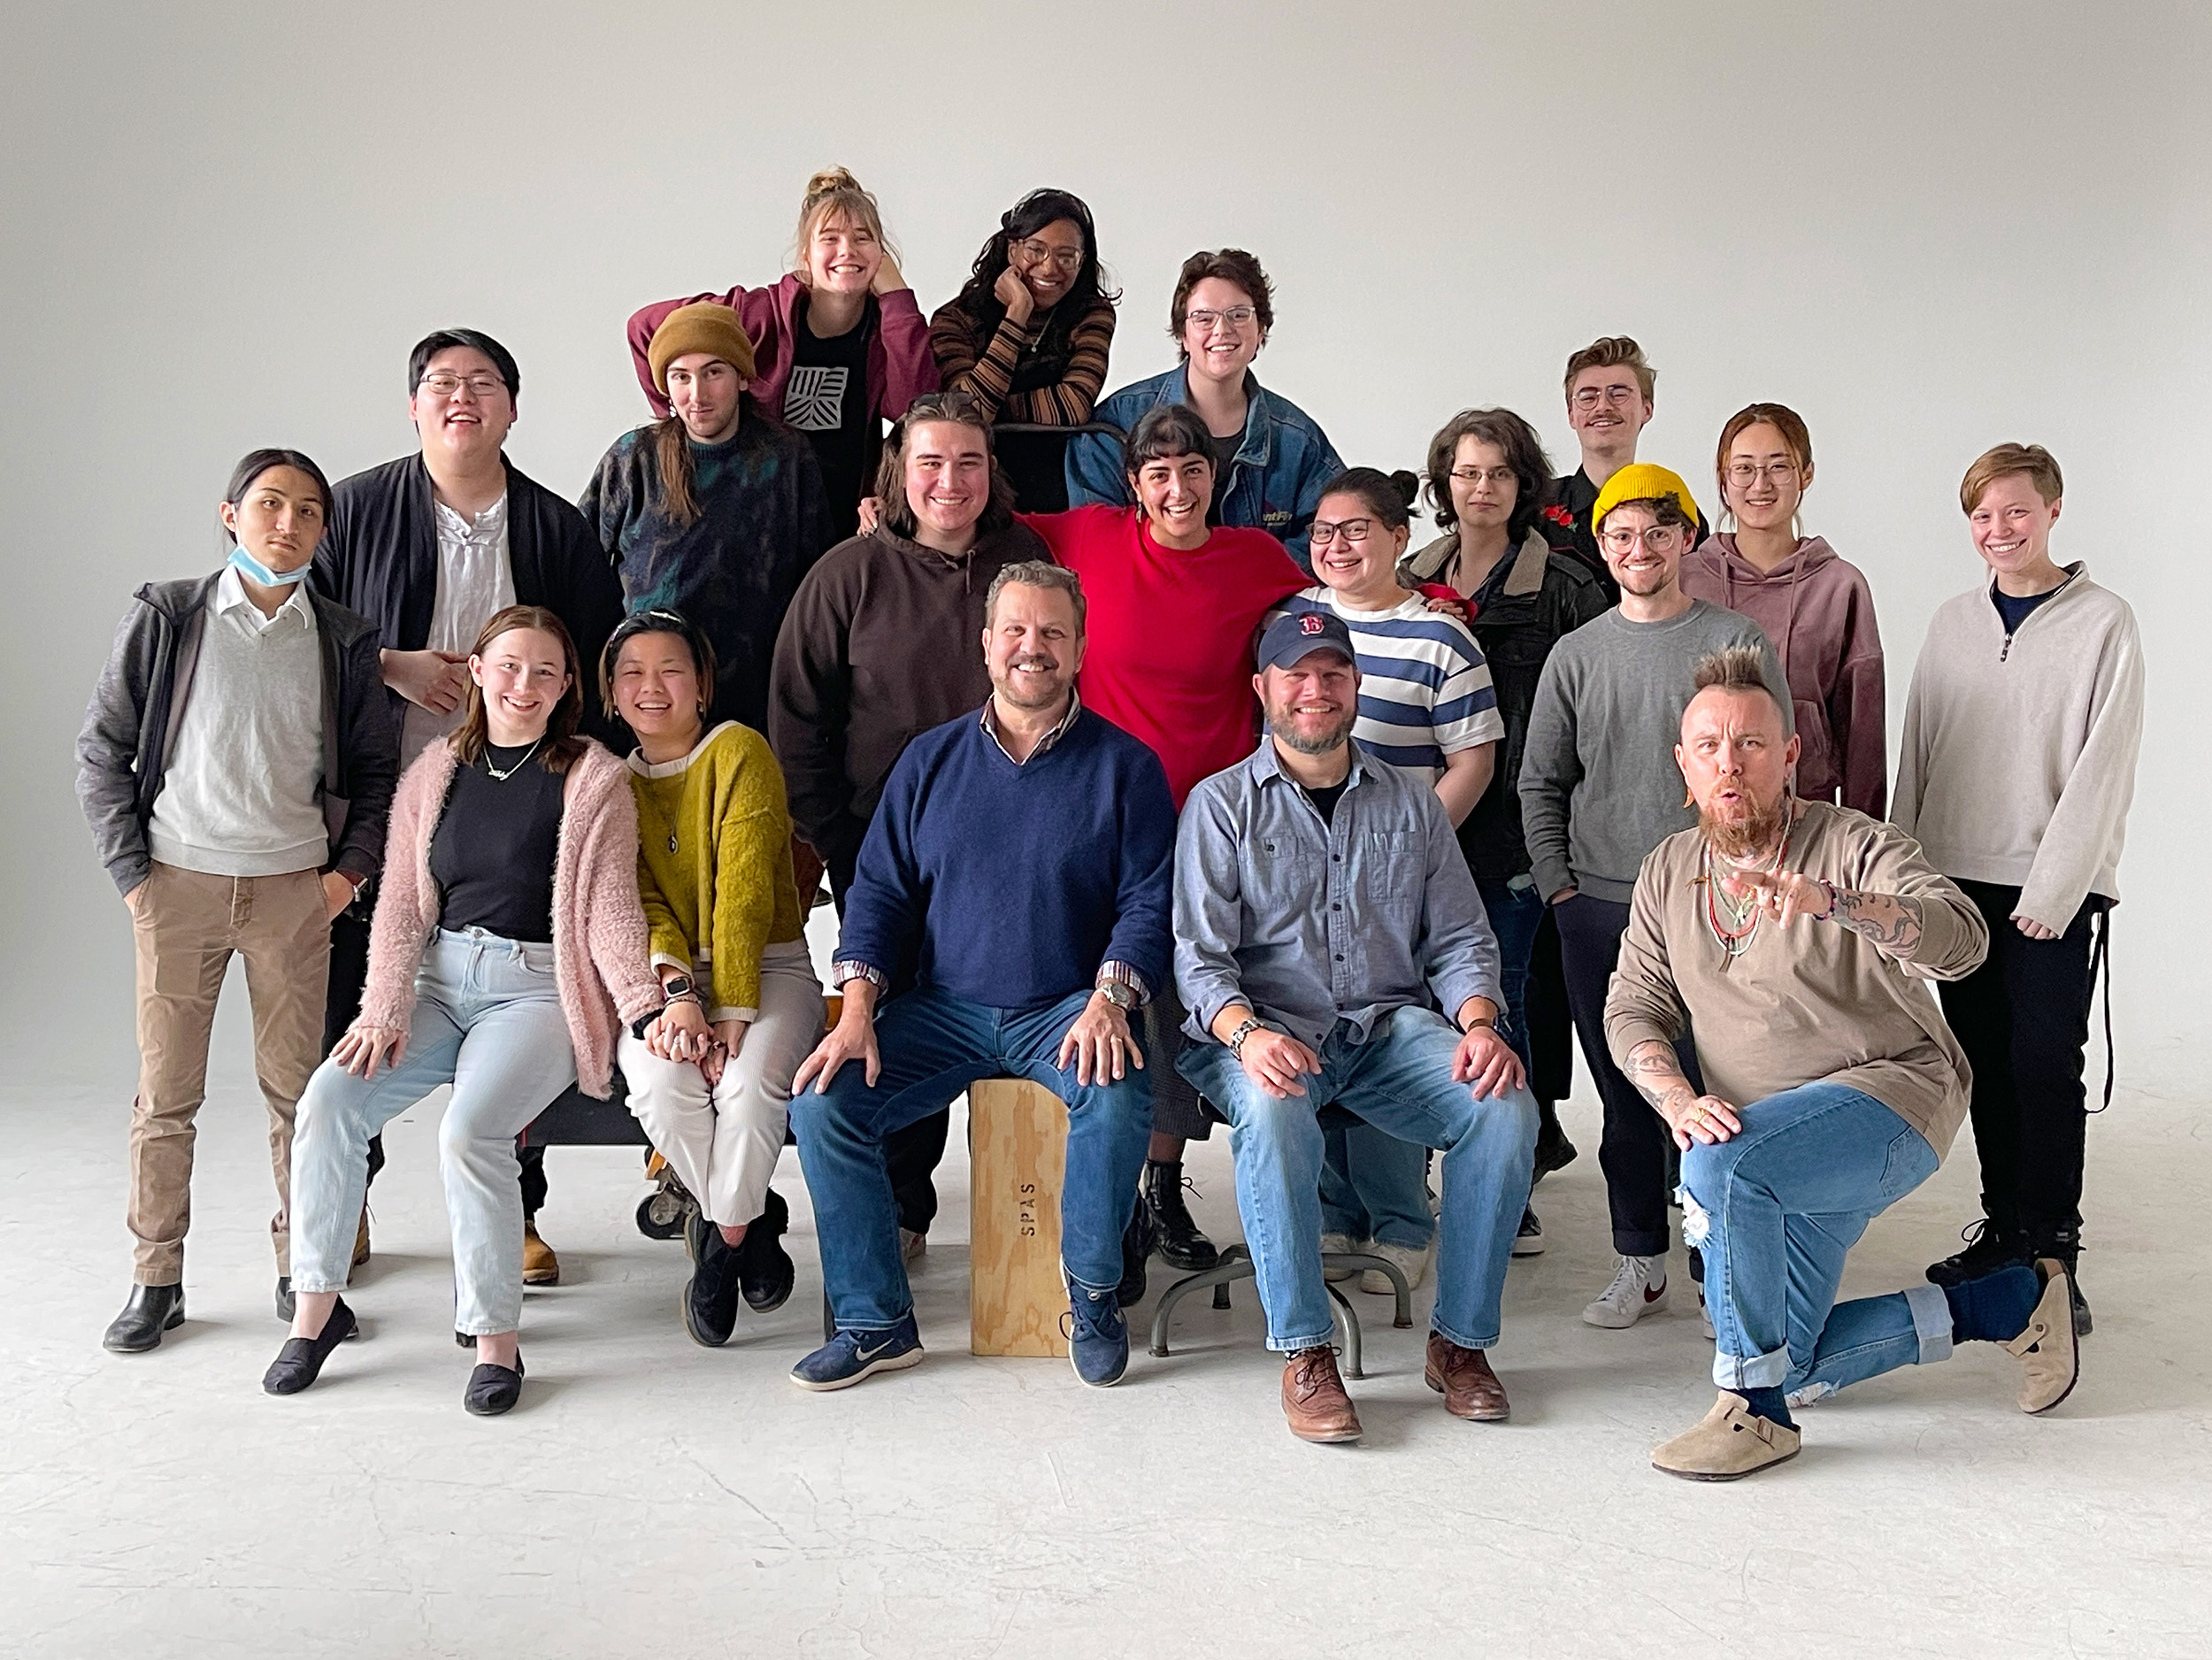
<point>1008,885</point>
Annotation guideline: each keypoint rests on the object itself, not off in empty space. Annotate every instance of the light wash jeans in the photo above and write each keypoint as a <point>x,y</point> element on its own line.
<point>1775,1209</point>
<point>1399,1082</point>
<point>933,1046</point>
<point>488,1020</point>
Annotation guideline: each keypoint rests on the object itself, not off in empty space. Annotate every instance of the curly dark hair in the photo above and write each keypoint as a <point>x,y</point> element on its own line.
<point>1231,264</point>
<point>1524,453</point>
<point>1018,225</point>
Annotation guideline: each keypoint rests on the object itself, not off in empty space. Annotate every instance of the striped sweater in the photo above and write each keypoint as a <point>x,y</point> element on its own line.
<point>991,373</point>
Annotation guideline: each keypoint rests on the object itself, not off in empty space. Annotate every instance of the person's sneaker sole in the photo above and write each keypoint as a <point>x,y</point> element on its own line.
<point>1120,1371</point>
<point>889,1362</point>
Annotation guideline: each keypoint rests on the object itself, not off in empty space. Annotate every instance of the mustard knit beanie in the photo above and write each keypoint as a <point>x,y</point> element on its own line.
<point>1637,482</point>
<point>706,327</point>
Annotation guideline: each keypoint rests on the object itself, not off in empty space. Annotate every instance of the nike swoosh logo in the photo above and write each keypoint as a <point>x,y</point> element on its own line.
<point>865,1353</point>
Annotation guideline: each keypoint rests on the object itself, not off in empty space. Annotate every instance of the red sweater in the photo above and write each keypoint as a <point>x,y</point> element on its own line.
<point>1170,633</point>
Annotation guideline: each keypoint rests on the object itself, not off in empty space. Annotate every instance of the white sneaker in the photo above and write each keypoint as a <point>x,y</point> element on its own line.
<point>1705,1315</point>
<point>912,1246</point>
<point>1410,1261</point>
<point>1339,1245</point>
<point>1530,1240</point>
<point>1638,1287</point>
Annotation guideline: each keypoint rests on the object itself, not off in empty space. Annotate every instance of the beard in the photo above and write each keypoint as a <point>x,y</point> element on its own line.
<point>1286,727</point>
<point>1751,832</point>
<point>1019,696</point>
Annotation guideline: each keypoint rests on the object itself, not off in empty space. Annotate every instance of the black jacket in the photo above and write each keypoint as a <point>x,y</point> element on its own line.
<point>1546,594</point>
<point>379,556</point>
<point>130,729</point>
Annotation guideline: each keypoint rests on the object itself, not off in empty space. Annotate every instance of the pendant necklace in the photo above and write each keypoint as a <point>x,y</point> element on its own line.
<point>1734,922</point>
<point>516,767</point>
<point>658,814</point>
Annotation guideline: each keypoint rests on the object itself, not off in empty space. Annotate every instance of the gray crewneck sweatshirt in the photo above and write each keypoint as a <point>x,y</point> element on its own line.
<point>1599,784</point>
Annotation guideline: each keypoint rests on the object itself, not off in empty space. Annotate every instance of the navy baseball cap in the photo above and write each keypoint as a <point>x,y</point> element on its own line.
<point>1292,638</point>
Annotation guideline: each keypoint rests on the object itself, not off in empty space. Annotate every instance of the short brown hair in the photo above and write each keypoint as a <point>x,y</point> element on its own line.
<point>960,409</point>
<point>2036,464</point>
<point>1231,264</point>
<point>1782,418</point>
<point>1735,669</point>
<point>1524,453</point>
<point>1665,509</point>
<point>1612,352</point>
<point>562,745</point>
<point>1037,573</point>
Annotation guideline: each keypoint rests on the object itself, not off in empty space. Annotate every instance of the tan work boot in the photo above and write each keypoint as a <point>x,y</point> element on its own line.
<point>539,1265</point>
<point>1730,1442</point>
<point>1314,1400</point>
<point>1464,1377</point>
<point>360,1243</point>
<point>2050,1359</point>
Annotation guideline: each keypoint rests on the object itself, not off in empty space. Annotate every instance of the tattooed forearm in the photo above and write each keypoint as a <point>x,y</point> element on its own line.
<point>1890,922</point>
<point>1656,1074</point>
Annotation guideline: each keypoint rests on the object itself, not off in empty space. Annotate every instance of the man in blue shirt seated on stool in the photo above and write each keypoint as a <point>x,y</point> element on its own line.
<point>1322,913</point>
<point>1009,910</point>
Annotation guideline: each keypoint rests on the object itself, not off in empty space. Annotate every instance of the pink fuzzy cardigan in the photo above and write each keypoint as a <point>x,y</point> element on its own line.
<point>602,960</point>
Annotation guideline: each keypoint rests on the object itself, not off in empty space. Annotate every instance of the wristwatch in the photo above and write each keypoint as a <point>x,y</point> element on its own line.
<point>1244,1029</point>
<point>677,987</point>
<point>1120,993</point>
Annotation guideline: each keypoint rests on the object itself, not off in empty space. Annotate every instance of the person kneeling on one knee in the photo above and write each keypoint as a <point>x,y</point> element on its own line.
<point>1322,913</point>
<point>1790,937</point>
<point>1020,859</point>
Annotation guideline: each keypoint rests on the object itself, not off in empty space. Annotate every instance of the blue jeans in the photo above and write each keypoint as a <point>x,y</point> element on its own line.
<point>1399,1082</point>
<point>488,1020</point>
<point>1775,1209</point>
<point>934,1046</point>
<point>1516,910</point>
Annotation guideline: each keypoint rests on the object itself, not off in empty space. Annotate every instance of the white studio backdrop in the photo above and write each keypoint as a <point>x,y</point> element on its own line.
<point>1927,227</point>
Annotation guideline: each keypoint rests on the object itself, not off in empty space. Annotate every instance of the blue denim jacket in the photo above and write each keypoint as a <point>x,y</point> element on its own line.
<point>1275,478</point>
<point>1309,922</point>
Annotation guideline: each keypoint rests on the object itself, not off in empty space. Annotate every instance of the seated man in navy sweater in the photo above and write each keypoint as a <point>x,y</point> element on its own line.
<point>1018,869</point>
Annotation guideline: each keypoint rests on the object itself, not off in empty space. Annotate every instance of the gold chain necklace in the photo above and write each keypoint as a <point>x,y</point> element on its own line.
<point>516,767</point>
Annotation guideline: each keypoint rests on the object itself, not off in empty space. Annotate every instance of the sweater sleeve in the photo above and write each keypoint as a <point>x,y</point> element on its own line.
<point>614,917</point>
<point>1068,401</point>
<point>809,698</point>
<point>752,846</point>
<point>1858,712</point>
<point>1904,802</point>
<point>988,377</point>
<point>405,895</point>
<point>884,906</point>
<point>1550,769</point>
<point>666,939</point>
<point>1954,937</point>
<point>1143,935</point>
<point>908,369</point>
<point>1641,1002</point>
<point>2093,806</point>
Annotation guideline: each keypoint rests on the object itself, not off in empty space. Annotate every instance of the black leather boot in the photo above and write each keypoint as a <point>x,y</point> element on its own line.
<point>765,1271</point>
<point>1990,1245</point>
<point>1138,1241</point>
<point>1181,1244</point>
<point>2064,1243</point>
<point>152,1311</point>
<point>1554,1150</point>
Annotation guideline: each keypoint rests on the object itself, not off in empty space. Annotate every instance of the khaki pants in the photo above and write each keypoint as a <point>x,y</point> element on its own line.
<point>187,925</point>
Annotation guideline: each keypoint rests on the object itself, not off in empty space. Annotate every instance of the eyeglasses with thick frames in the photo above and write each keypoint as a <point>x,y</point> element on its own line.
<point>1236,316</point>
<point>1037,253</point>
<point>1354,531</point>
<point>1655,538</point>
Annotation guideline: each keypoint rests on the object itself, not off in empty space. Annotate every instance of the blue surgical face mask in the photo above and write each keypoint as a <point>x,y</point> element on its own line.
<point>249,567</point>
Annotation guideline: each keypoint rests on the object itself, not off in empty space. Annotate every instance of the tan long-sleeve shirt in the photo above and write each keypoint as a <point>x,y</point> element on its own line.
<point>1811,1003</point>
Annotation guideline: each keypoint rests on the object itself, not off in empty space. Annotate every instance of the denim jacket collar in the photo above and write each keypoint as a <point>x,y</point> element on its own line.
<point>1259,427</point>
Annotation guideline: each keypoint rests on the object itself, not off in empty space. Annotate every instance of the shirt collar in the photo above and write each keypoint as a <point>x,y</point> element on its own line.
<point>230,595</point>
<point>988,720</point>
<point>484,527</point>
<point>1265,764</point>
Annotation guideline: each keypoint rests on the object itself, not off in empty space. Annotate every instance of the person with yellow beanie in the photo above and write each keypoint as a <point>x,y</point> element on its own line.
<point>718,511</point>
<point>1599,790</point>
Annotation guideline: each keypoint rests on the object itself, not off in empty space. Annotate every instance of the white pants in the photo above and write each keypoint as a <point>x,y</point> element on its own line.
<point>724,1142</point>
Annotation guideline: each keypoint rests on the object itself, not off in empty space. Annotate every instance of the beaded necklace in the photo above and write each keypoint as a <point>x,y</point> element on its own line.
<point>1734,922</point>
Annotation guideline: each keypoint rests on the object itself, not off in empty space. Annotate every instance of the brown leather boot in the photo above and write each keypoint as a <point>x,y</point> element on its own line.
<point>1314,1399</point>
<point>539,1265</point>
<point>360,1242</point>
<point>1464,1377</point>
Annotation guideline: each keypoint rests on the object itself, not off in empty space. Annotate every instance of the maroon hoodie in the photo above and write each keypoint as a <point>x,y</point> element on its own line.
<point>1818,610</point>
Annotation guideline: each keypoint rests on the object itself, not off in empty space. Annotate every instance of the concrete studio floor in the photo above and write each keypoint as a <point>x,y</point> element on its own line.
<point>652,1498</point>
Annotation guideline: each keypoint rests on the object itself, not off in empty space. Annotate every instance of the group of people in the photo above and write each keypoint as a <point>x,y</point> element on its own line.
<point>1145,757</point>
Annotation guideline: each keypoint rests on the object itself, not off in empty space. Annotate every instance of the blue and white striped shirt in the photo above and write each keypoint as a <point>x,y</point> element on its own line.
<point>1424,690</point>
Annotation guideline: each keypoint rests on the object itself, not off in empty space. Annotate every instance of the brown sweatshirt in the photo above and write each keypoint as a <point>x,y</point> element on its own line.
<point>1812,1003</point>
<point>883,641</point>
<point>1819,612</point>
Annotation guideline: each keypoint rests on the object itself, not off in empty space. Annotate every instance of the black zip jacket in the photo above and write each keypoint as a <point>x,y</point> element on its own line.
<point>130,730</point>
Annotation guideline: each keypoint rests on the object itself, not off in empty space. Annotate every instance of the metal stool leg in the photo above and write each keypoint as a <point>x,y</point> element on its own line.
<point>1217,1277</point>
<point>1349,1318</point>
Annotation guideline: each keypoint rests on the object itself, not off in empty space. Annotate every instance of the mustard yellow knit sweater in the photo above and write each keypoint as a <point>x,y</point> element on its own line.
<point>714,863</point>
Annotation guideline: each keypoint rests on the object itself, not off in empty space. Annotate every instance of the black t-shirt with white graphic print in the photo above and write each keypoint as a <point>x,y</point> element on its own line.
<point>826,398</point>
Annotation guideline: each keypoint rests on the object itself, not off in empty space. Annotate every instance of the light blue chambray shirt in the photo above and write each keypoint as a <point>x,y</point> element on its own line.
<point>1310,923</point>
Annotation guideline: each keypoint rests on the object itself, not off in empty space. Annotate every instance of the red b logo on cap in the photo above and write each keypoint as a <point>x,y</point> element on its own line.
<point>1310,623</point>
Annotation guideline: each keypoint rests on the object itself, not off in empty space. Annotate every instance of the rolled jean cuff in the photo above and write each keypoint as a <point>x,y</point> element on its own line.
<point>1462,1339</point>
<point>1758,1371</point>
<point>1299,1345</point>
<point>1931,1321</point>
<point>302,1286</point>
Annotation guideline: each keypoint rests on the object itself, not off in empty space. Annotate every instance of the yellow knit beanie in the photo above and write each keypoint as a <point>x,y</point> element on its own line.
<point>705,325</point>
<point>1637,482</point>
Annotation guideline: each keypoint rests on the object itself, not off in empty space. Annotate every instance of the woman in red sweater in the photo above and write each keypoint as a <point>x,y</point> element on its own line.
<point>1174,604</point>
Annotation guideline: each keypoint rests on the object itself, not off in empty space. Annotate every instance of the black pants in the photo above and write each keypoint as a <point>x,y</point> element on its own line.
<point>2022,1018</point>
<point>348,975</point>
<point>913,1153</point>
<point>1635,1150</point>
<point>1551,1040</point>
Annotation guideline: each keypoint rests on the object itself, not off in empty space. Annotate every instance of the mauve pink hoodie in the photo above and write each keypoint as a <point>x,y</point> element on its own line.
<point>1818,611</point>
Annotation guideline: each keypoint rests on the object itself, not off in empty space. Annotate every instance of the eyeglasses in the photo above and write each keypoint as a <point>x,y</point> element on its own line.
<point>1748,472</point>
<point>1353,530</point>
<point>1237,317</point>
<point>1618,396</point>
<point>1037,253</point>
<point>1656,539</point>
<point>479,385</point>
<point>1482,475</point>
